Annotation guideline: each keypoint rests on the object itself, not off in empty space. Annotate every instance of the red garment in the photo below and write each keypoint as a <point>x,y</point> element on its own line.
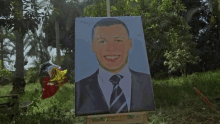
<point>48,90</point>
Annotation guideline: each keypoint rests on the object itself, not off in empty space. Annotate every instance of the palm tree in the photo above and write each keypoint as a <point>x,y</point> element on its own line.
<point>38,47</point>
<point>19,83</point>
<point>56,5</point>
<point>22,23</point>
<point>68,10</point>
<point>4,33</point>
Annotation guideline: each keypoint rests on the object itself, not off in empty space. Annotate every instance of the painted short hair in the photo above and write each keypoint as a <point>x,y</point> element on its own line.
<point>108,22</point>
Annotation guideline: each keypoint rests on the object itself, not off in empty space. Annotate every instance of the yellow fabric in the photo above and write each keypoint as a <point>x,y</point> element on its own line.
<point>60,77</point>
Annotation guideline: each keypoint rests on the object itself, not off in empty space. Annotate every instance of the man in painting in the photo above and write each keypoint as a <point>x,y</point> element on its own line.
<point>114,87</point>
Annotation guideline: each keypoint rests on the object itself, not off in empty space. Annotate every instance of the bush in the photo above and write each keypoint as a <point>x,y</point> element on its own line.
<point>71,77</point>
<point>67,62</point>
<point>5,76</point>
<point>32,76</point>
<point>161,75</point>
<point>5,72</point>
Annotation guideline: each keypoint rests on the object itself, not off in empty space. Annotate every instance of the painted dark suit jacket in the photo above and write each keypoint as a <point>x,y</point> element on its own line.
<point>89,99</point>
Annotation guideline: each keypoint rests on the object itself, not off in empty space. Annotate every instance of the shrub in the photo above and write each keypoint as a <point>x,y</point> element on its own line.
<point>5,76</point>
<point>32,76</point>
<point>5,72</point>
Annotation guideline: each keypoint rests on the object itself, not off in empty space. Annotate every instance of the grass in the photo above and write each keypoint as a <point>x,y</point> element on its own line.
<point>176,102</point>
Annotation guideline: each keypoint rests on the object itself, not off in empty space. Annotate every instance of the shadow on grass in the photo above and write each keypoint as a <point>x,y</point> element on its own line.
<point>53,115</point>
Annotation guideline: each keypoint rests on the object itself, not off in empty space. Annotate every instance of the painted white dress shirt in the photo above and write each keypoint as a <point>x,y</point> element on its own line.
<point>107,87</point>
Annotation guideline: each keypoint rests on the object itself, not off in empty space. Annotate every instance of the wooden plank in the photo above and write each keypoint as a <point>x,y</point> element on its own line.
<point>121,118</point>
<point>145,118</point>
<point>123,121</point>
<point>3,106</point>
<point>10,95</point>
<point>108,115</point>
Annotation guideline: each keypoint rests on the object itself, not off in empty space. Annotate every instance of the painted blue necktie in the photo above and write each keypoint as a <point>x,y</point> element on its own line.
<point>117,102</point>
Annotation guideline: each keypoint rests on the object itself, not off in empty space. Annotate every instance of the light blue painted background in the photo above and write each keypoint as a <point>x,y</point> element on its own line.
<point>85,60</point>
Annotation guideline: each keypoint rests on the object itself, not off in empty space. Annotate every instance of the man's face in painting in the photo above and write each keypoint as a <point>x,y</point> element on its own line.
<point>111,45</point>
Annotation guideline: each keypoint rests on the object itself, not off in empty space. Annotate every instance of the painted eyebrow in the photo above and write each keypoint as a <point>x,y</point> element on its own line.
<point>114,37</point>
<point>101,38</point>
<point>118,37</point>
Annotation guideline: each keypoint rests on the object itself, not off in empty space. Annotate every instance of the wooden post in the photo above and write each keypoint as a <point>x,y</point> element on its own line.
<point>108,8</point>
<point>121,118</point>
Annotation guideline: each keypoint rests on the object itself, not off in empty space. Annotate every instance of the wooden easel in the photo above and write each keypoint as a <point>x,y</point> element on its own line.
<point>121,118</point>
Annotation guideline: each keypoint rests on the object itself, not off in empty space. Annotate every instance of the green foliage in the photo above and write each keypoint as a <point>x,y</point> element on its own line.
<point>38,46</point>
<point>4,72</point>
<point>178,59</point>
<point>33,73</point>
<point>119,8</point>
<point>67,62</point>
<point>32,76</point>
<point>164,28</point>
<point>68,11</point>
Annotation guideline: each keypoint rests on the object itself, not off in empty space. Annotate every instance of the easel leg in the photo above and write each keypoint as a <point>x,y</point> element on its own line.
<point>89,120</point>
<point>144,118</point>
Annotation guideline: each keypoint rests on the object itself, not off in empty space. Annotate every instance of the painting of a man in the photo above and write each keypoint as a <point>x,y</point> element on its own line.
<point>114,87</point>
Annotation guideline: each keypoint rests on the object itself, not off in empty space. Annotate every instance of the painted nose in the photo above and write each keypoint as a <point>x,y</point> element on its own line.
<point>111,46</point>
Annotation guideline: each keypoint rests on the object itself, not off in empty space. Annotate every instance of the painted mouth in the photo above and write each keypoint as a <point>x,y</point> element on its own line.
<point>112,58</point>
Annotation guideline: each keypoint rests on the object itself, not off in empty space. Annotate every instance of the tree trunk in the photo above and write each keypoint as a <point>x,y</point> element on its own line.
<point>41,54</point>
<point>152,62</point>
<point>215,9</point>
<point>2,54</point>
<point>57,42</point>
<point>19,82</point>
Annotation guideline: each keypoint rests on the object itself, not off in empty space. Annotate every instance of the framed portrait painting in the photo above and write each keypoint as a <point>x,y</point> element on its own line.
<point>111,67</point>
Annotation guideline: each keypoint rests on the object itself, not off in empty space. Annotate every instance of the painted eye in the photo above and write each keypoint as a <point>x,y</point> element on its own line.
<point>119,40</point>
<point>102,41</point>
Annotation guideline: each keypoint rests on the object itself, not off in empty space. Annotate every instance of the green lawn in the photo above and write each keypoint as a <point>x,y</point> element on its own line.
<point>176,102</point>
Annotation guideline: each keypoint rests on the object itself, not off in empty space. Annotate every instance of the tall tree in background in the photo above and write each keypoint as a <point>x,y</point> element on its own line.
<point>215,18</point>
<point>21,24</point>
<point>64,12</point>
<point>204,28</point>
<point>165,30</point>
<point>4,34</point>
<point>68,11</point>
<point>38,47</point>
<point>18,82</point>
<point>57,4</point>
